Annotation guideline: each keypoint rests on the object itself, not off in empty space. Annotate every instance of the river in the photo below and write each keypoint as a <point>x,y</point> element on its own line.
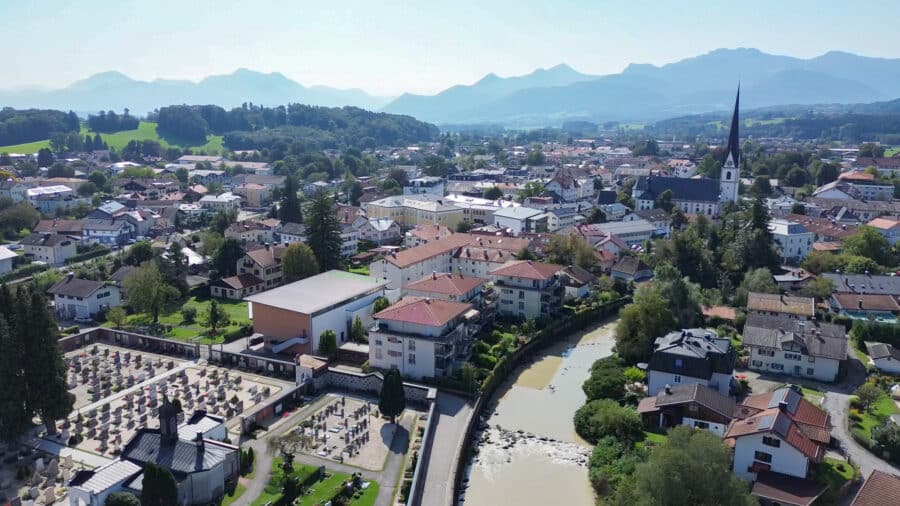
<point>535,457</point>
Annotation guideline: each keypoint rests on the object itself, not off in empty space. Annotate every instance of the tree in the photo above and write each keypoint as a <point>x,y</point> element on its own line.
<point>868,394</point>
<point>493,193</point>
<point>798,208</point>
<point>380,304</point>
<point>323,231</point>
<point>87,189</point>
<point>357,330</point>
<point>647,147</point>
<point>605,417</point>
<point>819,287</point>
<point>525,254</point>
<point>665,201</point>
<point>871,150</point>
<point>14,418</point>
<point>535,157</point>
<point>606,380</point>
<point>226,257</point>
<point>867,242</point>
<point>435,165</point>
<point>327,344</point>
<point>298,262</point>
<point>670,474</point>
<point>761,187</point>
<point>215,316</point>
<point>596,215</point>
<point>683,296</point>
<point>755,281</point>
<point>116,316</point>
<point>139,253</point>
<point>47,389</point>
<point>148,291</point>
<point>182,175</point>
<point>887,436</point>
<point>570,249</point>
<point>158,487</point>
<point>354,192</point>
<point>122,499</point>
<point>221,220</point>
<point>531,189</point>
<point>641,322</point>
<point>290,203</point>
<point>392,399</point>
<point>45,157</point>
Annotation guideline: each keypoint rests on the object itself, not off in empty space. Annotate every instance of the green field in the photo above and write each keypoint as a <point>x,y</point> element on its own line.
<point>118,140</point>
<point>197,332</point>
<point>889,152</point>
<point>318,493</point>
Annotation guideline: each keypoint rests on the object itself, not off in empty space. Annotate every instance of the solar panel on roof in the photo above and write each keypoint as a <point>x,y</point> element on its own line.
<point>765,422</point>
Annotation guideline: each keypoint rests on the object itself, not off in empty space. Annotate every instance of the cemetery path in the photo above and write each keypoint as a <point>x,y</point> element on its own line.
<point>54,448</point>
<point>122,393</point>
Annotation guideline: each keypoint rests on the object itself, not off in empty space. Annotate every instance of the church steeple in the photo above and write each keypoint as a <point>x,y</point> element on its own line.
<point>731,172</point>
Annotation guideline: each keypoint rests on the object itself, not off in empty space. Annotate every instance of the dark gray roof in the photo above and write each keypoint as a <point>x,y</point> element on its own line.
<point>75,287</point>
<point>122,273</point>
<point>865,283</point>
<point>630,265</point>
<point>107,225</point>
<point>882,350</point>
<point>45,239</point>
<point>701,190</point>
<point>656,214</point>
<point>814,338</point>
<point>701,394</point>
<point>290,228</point>
<point>697,353</point>
<point>605,197</point>
<point>181,457</point>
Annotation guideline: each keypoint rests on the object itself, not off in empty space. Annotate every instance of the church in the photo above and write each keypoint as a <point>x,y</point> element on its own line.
<point>696,196</point>
<point>203,467</point>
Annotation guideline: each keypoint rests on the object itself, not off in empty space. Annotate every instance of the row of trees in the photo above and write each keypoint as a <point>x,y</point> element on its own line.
<point>19,126</point>
<point>109,122</point>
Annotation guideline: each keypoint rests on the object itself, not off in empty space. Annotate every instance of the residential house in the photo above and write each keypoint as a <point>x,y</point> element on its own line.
<point>477,210</point>
<point>779,432</point>
<point>249,231</point>
<point>62,227</point>
<point>265,263</point>
<point>223,202</point>
<point>349,240</point>
<point>879,487</point>
<point>888,227</point>
<point>13,190</point>
<point>561,217</point>
<point>449,286</point>
<point>865,284</point>
<point>290,233</point>
<point>804,348</point>
<point>528,289</point>
<point>802,308</point>
<point>633,232</point>
<point>577,281</point>
<point>423,233</point>
<point>413,210</point>
<point>792,240</point>
<point>631,268</point>
<point>236,287</point>
<point>292,317</point>
<point>380,231</point>
<point>859,306</point>
<point>256,195</point>
<point>420,337</point>
<point>659,218</point>
<point>426,184</point>
<point>521,220</point>
<point>884,357</point>
<point>694,405</point>
<point>691,356</point>
<point>49,248</point>
<point>80,298</point>
<point>195,159</point>
<point>107,232</point>
<point>6,259</point>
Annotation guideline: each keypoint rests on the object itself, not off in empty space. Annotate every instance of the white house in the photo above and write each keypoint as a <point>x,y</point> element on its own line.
<point>521,219</point>
<point>223,202</point>
<point>379,231</point>
<point>6,259</point>
<point>292,232</point>
<point>793,241</point>
<point>81,298</point>
<point>885,357</point>
<point>691,356</point>
<point>53,249</point>
<point>426,184</point>
<point>528,289</point>
<point>631,232</point>
<point>888,227</point>
<point>802,348</point>
<point>420,337</point>
<point>779,432</point>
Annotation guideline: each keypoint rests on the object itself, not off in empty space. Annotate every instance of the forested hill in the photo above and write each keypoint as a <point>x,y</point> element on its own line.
<point>256,127</point>
<point>19,126</point>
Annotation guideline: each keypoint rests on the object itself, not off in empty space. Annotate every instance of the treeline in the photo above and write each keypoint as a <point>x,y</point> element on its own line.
<point>20,126</point>
<point>844,127</point>
<point>109,122</point>
<point>255,127</point>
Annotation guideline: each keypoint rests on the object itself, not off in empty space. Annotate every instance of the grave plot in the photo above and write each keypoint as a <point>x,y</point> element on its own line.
<point>104,425</point>
<point>32,475</point>
<point>347,430</point>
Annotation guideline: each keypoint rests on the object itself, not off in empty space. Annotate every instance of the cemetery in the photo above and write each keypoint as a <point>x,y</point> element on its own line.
<point>348,430</point>
<point>32,477</point>
<point>119,390</point>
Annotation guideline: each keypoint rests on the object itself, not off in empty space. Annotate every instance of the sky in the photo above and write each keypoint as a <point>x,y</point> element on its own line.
<point>388,47</point>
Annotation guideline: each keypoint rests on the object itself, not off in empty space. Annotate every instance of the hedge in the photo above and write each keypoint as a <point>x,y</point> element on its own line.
<point>23,272</point>
<point>99,252</point>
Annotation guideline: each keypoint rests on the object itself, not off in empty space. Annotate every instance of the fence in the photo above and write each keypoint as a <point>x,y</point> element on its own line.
<point>418,483</point>
<point>508,364</point>
<point>151,344</point>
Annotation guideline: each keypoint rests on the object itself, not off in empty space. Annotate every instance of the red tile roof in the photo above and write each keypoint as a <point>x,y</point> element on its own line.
<point>446,284</point>
<point>723,312</point>
<point>880,489</point>
<point>775,303</point>
<point>815,422</point>
<point>784,489</point>
<point>428,250</point>
<point>527,269</point>
<point>778,421</point>
<point>423,311</point>
<point>872,302</point>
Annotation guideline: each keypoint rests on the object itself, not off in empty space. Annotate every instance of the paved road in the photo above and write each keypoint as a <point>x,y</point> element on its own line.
<point>453,414</point>
<point>386,478</point>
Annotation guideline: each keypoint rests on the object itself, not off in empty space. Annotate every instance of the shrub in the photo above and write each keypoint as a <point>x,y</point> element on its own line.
<point>635,375</point>
<point>887,437</point>
<point>484,361</point>
<point>604,417</point>
<point>607,380</point>
<point>188,315</point>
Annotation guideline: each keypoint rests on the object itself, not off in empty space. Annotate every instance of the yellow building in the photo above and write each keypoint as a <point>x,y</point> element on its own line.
<point>411,211</point>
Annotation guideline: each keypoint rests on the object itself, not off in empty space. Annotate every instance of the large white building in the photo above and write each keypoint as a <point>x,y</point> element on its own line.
<point>528,289</point>
<point>420,337</point>
<point>793,241</point>
<point>82,298</point>
<point>800,348</point>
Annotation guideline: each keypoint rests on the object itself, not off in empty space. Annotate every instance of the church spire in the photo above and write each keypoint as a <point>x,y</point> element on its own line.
<point>733,148</point>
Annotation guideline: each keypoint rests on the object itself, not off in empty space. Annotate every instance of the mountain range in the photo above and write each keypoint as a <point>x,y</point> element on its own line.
<point>641,92</point>
<point>648,92</point>
<point>116,91</point>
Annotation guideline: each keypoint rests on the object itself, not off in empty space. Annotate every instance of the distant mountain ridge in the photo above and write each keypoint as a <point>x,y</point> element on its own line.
<point>648,92</point>
<point>116,91</point>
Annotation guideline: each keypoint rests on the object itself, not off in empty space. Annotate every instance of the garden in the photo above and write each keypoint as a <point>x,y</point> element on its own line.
<point>191,322</point>
<point>314,486</point>
<point>869,418</point>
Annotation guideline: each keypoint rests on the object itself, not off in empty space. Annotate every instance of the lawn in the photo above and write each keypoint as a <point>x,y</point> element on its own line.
<point>238,492</point>
<point>811,394</point>
<point>118,140</point>
<point>236,309</point>
<point>364,270</point>
<point>877,414</point>
<point>889,152</point>
<point>834,473</point>
<point>318,493</point>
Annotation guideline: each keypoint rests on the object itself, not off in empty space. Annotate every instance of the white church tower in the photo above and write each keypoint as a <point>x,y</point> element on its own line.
<point>731,172</point>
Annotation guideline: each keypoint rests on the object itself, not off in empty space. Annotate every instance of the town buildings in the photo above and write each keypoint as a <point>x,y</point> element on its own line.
<point>53,249</point>
<point>528,289</point>
<point>82,298</point>
<point>691,356</point>
<point>800,348</point>
<point>694,405</point>
<point>802,308</point>
<point>792,240</point>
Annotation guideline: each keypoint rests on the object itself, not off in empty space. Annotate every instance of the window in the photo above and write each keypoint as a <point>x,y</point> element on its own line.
<point>378,342</point>
<point>777,367</point>
<point>812,359</point>
<point>774,442</point>
<point>678,362</point>
<point>521,294</point>
<point>412,358</point>
<point>701,425</point>
<point>762,457</point>
<point>809,371</point>
<point>677,379</point>
<point>412,345</point>
<point>521,305</point>
<point>766,353</point>
<point>756,363</point>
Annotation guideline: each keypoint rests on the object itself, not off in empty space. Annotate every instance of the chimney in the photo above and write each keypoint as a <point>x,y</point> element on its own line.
<point>668,389</point>
<point>70,275</point>
<point>199,441</point>
<point>267,246</point>
<point>433,274</point>
<point>783,405</point>
<point>859,304</point>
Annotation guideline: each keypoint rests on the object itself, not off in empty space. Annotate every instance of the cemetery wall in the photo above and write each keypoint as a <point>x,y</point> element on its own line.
<point>418,480</point>
<point>269,407</point>
<point>369,383</point>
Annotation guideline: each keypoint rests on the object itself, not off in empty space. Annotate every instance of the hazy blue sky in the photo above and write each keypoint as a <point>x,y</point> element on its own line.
<point>391,46</point>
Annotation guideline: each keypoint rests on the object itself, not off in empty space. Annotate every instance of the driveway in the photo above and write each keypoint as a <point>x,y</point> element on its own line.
<point>453,413</point>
